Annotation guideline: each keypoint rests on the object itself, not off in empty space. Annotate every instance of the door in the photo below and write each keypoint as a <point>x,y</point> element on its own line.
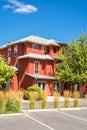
<point>42,85</point>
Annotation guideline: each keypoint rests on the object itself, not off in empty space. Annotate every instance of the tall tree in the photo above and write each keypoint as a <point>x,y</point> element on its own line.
<point>6,72</point>
<point>73,67</point>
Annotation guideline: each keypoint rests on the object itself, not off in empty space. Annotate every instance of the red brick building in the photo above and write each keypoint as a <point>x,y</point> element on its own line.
<point>34,59</point>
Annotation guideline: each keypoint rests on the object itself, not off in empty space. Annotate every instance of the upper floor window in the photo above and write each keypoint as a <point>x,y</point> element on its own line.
<point>44,48</point>
<point>15,50</point>
<point>47,49</point>
<point>35,46</point>
<point>54,49</point>
<point>36,67</point>
<point>9,54</point>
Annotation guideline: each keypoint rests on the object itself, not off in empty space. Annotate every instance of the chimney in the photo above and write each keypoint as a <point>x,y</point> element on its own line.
<point>10,42</point>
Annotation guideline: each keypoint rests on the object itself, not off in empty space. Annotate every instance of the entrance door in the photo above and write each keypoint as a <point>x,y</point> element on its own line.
<point>42,85</point>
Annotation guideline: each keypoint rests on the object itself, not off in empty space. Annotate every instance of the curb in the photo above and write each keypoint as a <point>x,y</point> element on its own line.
<point>43,110</point>
<point>15,114</point>
<point>54,109</point>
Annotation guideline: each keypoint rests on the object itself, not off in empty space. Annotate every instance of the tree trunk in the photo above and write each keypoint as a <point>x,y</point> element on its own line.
<point>80,89</point>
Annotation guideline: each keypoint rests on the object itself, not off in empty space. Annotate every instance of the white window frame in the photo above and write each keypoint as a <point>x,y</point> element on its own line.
<point>56,88</point>
<point>15,50</point>
<point>9,54</point>
<point>35,46</point>
<point>41,85</point>
<point>44,48</point>
<point>35,68</point>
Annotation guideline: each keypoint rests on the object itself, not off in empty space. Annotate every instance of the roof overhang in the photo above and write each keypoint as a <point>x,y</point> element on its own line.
<point>36,56</point>
<point>33,39</point>
<point>37,76</point>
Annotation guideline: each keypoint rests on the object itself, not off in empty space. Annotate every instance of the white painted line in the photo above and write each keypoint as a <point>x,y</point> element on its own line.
<point>41,123</point>
<point>79,118</point>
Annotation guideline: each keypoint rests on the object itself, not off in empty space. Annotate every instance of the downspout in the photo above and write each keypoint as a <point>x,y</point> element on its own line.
<point>18,77</point>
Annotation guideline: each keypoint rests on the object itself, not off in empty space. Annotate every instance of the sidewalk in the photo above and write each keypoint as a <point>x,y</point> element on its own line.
<point>50,98</point>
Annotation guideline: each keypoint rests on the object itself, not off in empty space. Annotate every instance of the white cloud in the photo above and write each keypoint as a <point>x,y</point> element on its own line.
<point>7,7</point>
<point>27,9</point>
<point>20,7</point>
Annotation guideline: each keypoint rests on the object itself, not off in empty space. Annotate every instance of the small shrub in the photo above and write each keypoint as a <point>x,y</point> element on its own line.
<point>26,95</point>
<point>30,89</point>
<point>44,104</point>
<point>44,99</point>
<point>32,104</point>
<point>20,94</point>
<point>56,99</point>
<point>33,96</point>
<point>76,103</point>
<point>76,95</point>
<point>1,102</point>
<point>12,105</point>
<point>67,95</point>
<point>12,102</point>
<point>66,103</point>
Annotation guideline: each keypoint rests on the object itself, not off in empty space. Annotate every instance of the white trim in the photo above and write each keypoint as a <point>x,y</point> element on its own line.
<point>38,76</point>
<point>36,56</point>
<point>41,87</point>
<point>57,88</point>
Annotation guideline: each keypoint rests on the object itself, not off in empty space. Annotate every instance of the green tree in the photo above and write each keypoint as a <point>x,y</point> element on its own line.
<point>6,72</point>
<point>73,65</point>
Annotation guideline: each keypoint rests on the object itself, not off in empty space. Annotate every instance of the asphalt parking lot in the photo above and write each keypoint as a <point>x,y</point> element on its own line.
<point>46,120</point>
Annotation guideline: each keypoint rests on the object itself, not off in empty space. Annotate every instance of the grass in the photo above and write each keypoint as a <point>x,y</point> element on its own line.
<point>10,112</point>
<point>10,102</point>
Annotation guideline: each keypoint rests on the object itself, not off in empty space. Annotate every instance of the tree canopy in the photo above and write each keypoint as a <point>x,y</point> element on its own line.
<point>73,65</point>
<point>6,72</point>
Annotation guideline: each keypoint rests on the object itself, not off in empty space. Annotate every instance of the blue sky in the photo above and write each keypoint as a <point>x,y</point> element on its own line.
<point>61,20</point>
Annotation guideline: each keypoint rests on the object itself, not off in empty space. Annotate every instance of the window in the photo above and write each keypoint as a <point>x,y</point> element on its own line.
<point>15,50</point>
<point>9,54</point>
<point>35,46</point>
<point>42,85</point>
<point>44,48</point>
<point>54,49</point>
<point>56,86</point>
<point>47,49</point>
<point>36,67</point>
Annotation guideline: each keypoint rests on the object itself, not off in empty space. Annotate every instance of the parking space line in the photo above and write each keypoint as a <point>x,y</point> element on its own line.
<point>41,123</point>
<point>79,118</point>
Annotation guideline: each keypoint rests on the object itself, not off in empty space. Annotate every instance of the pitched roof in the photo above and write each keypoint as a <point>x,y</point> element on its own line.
<point>38,40</point>
<point>38,76</point>
<point>35,56</point>
<point>33,39</point>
